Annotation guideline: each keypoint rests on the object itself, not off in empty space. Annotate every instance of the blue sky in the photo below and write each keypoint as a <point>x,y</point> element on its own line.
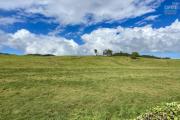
<point>68,28</point>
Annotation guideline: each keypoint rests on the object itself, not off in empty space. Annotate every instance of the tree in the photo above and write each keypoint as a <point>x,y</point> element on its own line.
<point>95,51</point>
<point>134,55</point>
<point>107,52</point>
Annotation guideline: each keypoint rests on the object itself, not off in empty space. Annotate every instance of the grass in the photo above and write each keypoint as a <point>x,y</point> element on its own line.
<point>84,88</point>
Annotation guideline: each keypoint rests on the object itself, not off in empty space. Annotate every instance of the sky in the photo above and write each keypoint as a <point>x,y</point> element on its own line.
<point>77,27</point>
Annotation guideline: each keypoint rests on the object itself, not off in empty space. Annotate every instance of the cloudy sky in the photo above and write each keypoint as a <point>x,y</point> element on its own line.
<point>77,27</point>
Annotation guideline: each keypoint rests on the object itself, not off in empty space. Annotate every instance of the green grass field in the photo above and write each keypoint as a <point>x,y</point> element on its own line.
<point>84,88</point>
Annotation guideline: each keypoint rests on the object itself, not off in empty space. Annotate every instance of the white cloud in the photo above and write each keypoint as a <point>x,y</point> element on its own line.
<point>76,11</point>
<point>9,20</point>
<point>16,4</point>
<point>151,18</point>
<point>40,44</point>
<point>141,39</point>
<point>3,39</point>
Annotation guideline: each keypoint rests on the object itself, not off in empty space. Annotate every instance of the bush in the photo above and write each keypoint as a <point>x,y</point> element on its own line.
<point>134,55</point>
<point>169,111</point>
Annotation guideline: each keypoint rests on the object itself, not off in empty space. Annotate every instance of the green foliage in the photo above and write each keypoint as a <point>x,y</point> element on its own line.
<point>150,56</point>
<point>134,55</point>
<point>121,54</point>
<point>169,111</point>
<point>96,51</point>
<point>40,55</point>
<point>138,55</point>
<point>107,52</point>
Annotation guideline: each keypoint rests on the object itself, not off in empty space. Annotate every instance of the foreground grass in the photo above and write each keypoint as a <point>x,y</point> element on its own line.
<point>168,111</point>
<point>84,88</point>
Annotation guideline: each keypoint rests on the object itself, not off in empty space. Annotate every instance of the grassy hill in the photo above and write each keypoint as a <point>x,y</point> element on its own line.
<point>84,88</point>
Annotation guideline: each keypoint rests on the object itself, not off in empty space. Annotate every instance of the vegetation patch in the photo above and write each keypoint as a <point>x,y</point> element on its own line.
<point>168,111</point>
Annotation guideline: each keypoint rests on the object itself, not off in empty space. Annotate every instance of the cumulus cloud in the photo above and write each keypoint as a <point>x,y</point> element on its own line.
<point>83,11</point>
<point>141,39</point>
<point>3,39</point>
<point>41,44</point>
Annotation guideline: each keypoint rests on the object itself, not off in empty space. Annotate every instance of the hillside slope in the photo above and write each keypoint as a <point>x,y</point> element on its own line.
<point>35,88</point>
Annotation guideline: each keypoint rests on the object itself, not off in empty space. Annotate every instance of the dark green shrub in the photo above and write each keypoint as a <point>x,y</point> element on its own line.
<point>134,55</point>
<point>96,51</point>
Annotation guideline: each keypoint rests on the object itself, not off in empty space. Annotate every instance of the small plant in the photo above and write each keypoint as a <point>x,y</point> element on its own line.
<point>168,111</point>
